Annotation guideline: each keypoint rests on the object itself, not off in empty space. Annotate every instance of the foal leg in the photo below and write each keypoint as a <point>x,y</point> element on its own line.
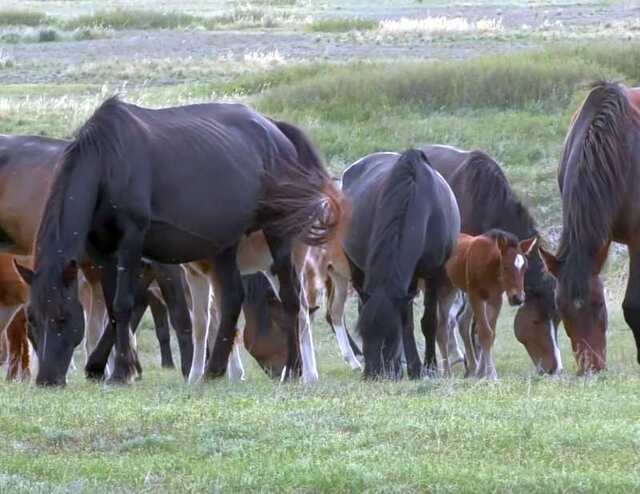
<point>172,286</point>
<point>464,328</point>
<point>200,287</point>
<point>446,326</point>
<point>631,303</point>
<point>486,337</point>
<point>336,300</point>
<point>161,322</point>
<point>227,277</point>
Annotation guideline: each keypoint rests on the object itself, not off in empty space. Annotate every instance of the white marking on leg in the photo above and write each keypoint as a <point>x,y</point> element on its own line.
<point>556,347</point>
<point>345,347</point>
<point>200,316</point>
<point>309,366</point>
<point>235,369</point>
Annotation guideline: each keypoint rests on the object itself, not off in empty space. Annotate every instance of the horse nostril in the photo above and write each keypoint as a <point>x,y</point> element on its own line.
<point>516,300</point>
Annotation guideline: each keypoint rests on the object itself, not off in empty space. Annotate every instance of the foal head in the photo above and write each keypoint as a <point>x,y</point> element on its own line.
<point>513,263</point>
<point>55,320</point>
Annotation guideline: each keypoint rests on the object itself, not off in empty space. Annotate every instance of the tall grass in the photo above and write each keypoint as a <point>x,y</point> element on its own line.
<point>546,78</point>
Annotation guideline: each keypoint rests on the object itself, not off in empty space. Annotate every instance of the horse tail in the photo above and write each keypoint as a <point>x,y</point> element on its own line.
<point>399,232</point>
<point>599,150</point>
<point>302,196</point>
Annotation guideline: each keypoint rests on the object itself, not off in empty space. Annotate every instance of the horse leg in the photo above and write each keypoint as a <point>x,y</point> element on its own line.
<point>17,347</point>
<point>337,289</point>
<point>446,326</point>
<point>228,282</point>
<point>631,303</point>
<point>161,322</point>
<point>96,365</point>
<point>493,311</point>
<point>307,350</point>
<point>429,323</point>
<point>485,336</point>
<point>127,269</point>
<point>199,286</point>
<point>96,315</point>
<point>290,291</point>
<point>470,353</point>
<point>173,291</point>
<point>456,353</point>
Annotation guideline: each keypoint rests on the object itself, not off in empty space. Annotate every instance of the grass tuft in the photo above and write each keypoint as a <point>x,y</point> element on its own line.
<point>22,18</point>
<point>340,25</point>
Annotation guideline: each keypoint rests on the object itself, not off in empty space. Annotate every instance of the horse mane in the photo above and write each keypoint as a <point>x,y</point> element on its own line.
<point>593,172</point>
<point>391,227</point>
<point>100,136</point>
<point>490,186</point>
<point>497,234</point>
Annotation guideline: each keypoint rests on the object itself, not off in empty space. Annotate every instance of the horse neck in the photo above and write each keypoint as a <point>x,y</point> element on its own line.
<point>68,212</point>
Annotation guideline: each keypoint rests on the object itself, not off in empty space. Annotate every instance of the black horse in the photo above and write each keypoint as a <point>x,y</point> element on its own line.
<point>174,185</point>
<point>487,201</point>
<point>404,225</point>
<point>27,166</point>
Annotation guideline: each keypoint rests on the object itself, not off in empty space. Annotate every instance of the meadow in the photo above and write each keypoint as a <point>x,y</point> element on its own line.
<point>505,77</point>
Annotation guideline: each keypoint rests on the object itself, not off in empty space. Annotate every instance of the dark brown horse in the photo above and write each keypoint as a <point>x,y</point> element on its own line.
<point>487,201</point>
<point>599,178</point>
<point>404,224</point>
<point>174,185</point>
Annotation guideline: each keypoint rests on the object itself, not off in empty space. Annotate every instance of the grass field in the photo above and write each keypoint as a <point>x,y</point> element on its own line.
<point>357,88</point>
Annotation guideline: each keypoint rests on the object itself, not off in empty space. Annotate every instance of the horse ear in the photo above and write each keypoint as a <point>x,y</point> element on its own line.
<point>550,261</point>
<point>526,246</point>
<point>25,273</point>
<point>70,273</point>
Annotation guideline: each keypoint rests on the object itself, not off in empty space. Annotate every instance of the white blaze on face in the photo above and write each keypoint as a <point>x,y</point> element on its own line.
<point>519,262</point>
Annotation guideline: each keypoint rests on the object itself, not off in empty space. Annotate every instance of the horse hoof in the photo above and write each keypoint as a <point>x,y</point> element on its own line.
<point>214,373</point>
<point>167,365</point>
<point>121,377</point>
<point>94,372</point>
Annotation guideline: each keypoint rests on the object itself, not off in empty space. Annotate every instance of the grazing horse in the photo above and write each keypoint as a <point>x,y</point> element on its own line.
<point>485,267</point>
<point>13,296</point>
<point>26,171</point>
<point>487,201</point>
<point>174,185</point>
<point>599,179</point>
<point>404,224</point>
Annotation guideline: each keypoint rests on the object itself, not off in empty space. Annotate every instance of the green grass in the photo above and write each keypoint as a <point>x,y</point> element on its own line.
<point>340,25</point>
<point>242,16</point>
<point>521,434</point>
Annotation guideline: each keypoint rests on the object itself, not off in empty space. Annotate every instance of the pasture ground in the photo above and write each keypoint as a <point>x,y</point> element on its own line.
<point>505,77</point>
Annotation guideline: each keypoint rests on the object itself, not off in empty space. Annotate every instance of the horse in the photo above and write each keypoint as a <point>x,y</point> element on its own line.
<point>485,267</point>
<point>253,257</point>
<point>109,198</point>
<point>404,224</point>
<point>487,201</point>
<point>26,172</point>
<point>13,329</point>
<point>599,181</point>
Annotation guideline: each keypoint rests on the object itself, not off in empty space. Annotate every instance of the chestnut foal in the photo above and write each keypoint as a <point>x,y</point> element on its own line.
<point>485,267</point>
